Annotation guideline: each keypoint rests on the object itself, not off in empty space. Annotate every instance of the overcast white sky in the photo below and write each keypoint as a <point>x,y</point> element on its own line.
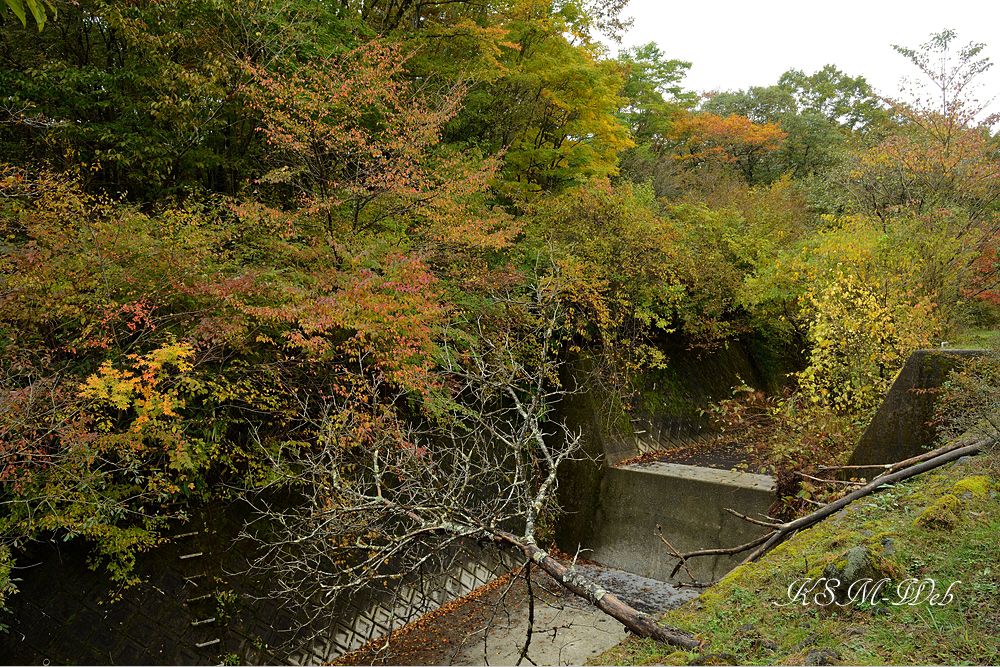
<point>734,45</point>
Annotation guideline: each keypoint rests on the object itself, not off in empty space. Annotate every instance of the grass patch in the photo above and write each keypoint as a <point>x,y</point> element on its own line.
<point>984,339</point>
<point>741,615</point>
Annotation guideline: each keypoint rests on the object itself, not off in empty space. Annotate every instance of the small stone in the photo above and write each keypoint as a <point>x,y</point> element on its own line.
<point>856,564</point>
<point>805,642</point>
<point>887,546</point>
<point>822,656</point>
<point>751,634</point>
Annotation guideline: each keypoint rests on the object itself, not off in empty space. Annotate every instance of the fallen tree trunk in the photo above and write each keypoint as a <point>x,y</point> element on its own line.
<point>636,621</point>
<point>950,447</point>
<point>888,468</point>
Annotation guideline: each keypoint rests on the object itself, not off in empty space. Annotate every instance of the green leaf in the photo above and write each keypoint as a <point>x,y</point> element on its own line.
<point>18,10</point>
<point>38,11</point>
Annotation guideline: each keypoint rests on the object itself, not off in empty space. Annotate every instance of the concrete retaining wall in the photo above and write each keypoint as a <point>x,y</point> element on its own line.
<point>902,426</point>
<point>688,502</point>
<point>194,606</point>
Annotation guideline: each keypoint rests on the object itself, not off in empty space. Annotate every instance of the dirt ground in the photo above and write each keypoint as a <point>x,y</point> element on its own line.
<point>489,626</point>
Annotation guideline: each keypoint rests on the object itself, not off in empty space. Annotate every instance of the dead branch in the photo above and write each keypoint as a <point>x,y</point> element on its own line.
<point>826,481</point>
<point>874,465</point>
<point>766,524</point>
<point>636,621</point>
<point>726,552</point>
<point>676,554</point>
<point>952,446</point>
<point>781,533</point>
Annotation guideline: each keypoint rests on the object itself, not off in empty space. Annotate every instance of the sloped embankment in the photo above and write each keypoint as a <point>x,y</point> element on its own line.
<point>943,526</point>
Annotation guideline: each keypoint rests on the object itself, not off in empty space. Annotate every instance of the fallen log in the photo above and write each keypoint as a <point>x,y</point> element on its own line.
<point>637,622</point>
<point>950,447</point>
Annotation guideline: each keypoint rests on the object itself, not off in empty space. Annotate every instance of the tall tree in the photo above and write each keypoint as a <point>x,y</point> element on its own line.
<point>552,112</point>
<point>812,141</point>
<point>706,138</point>
<point>942,155</point>
<point>848,101</point>
<point>652,91</point>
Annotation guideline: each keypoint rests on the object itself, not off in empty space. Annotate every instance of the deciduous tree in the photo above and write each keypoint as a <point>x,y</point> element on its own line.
<point>704,138</point>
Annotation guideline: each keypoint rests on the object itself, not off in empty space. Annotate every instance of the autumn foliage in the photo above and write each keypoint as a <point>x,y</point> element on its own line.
<point>270,236</point>
<point>704,138</point>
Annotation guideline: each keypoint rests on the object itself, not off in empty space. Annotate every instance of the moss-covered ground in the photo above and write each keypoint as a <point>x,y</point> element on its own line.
<point>943,525</point>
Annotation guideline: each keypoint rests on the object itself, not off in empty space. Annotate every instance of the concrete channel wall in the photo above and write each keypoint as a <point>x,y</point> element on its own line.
<point>903,426</point>
<point>194,605</point>
<point>688,502</point>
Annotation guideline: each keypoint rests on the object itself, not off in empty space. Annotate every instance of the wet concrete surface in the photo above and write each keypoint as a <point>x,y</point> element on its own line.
<point>489,626</point>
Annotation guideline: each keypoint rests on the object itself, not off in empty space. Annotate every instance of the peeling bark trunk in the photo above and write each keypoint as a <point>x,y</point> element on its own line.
<point>633,619</point>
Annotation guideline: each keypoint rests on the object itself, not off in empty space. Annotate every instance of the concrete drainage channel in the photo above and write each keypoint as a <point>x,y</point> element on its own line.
<point>62,613</point>
<point>687,501</point>
<point>190,610</point>
<point>613,514</point>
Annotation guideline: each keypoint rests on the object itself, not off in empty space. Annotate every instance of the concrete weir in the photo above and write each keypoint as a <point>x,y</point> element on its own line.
<point>689,503</point>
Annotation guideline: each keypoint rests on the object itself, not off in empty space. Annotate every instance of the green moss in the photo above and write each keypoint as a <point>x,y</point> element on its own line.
<point>978,485</point>
<point>676,658</point>
<point>960,633</point>
<point>942,514</point>
<point>816,571</point>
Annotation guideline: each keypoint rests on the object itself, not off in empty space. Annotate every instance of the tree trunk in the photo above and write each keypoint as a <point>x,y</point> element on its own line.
<point>633,619</point>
